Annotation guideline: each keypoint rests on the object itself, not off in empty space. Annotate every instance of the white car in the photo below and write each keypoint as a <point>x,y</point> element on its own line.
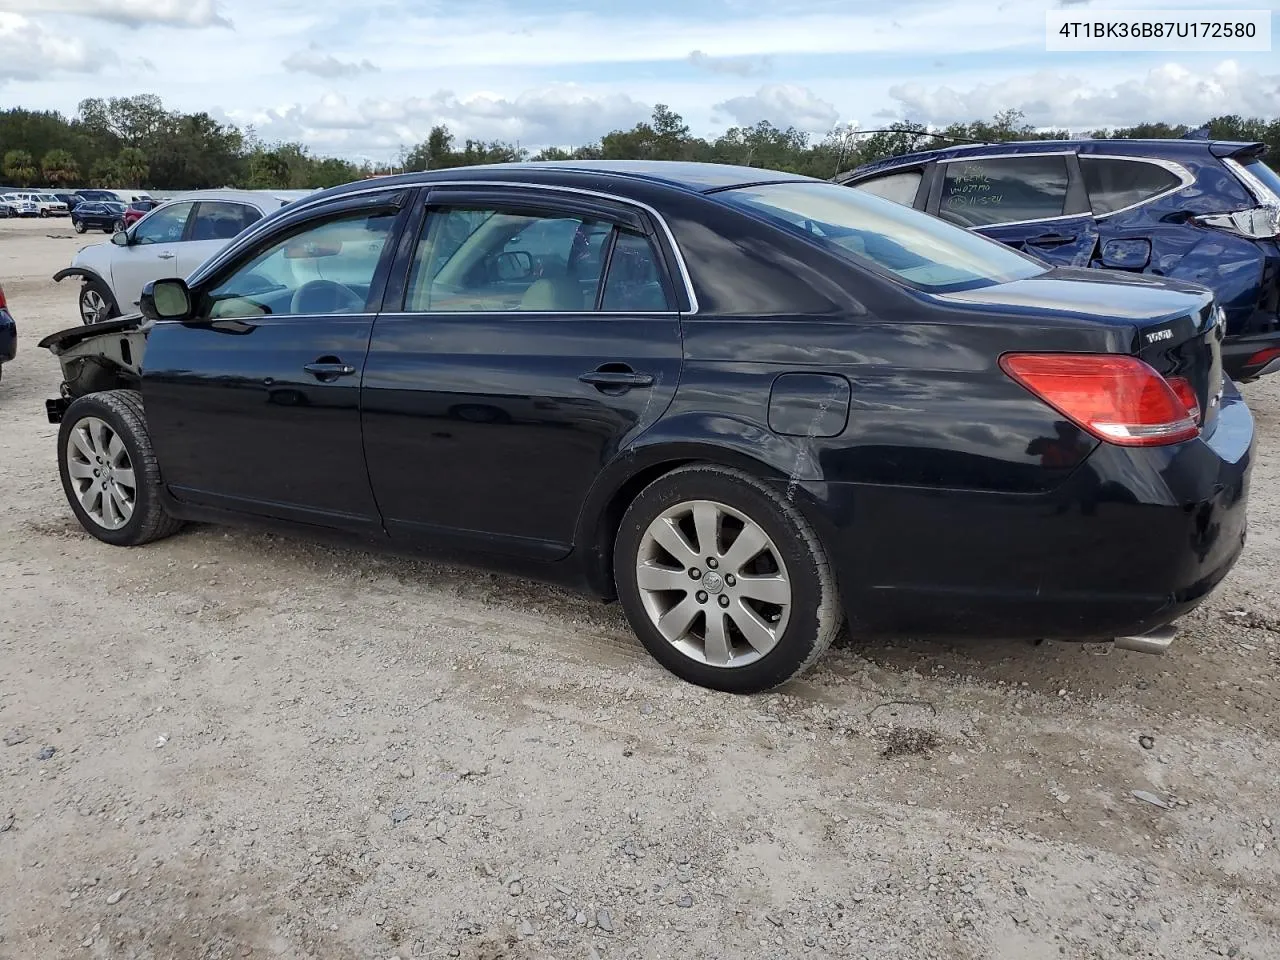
<point>22,205</point>
<point>51,206</point>
<point>170,241</point>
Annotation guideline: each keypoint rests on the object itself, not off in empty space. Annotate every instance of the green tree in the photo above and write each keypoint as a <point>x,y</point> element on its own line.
<point>104,173</point>
<point>132,167</point>
<point>19,167</point>
<point>60,167</point>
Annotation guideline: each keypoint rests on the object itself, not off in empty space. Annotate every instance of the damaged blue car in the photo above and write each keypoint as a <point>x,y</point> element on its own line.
<point>1206,211</point>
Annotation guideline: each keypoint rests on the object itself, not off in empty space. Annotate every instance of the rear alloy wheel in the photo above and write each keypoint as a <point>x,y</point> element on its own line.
<point>725,582</point>
<point>96,303</point>
<point>109,471</point>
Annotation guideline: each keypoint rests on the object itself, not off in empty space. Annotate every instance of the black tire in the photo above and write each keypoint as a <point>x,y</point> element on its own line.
<point>79,225</point>
<point>119,226</point>
<point>44,214</point>
<point>122,412</point>
<point>102,291</point>
<point>108,230</point>
<point>815,615</point>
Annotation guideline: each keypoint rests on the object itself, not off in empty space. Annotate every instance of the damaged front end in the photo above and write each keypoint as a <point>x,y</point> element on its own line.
<point>102,356</point>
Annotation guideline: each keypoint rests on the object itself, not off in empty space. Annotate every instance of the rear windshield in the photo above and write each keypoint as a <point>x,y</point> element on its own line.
<point>1264,173</point>
<point>918,249</point>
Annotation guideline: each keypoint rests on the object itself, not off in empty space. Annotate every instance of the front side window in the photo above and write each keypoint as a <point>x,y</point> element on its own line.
<point>323,268</point>
<point>491,260</point>
<point>163,226</point>
<point>898,187</point>
<point>908,244</point>
<point>981,193</point>
<point>1115,184</point>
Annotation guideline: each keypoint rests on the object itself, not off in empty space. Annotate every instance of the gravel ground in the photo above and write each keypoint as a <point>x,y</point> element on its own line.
<point>231,744</point>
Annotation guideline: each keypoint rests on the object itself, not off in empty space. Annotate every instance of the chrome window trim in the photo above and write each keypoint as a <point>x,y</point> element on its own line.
<point>1185,177</point>
<point>1007,156</point>
<point>1261,192</point>
<point>1016,223</point>
<point>304,203</point>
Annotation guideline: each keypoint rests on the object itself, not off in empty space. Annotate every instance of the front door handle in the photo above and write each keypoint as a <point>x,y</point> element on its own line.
<point>327,369</point>
<point>616,379</point>
<point>165,256</point>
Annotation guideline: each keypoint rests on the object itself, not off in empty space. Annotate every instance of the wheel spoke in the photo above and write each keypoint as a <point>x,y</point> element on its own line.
<point>649,576</point>
<point>745,549</point>
<point>667,534</point>
<point>675,622</point>
<point>89,497</point>
<point>98,437</point>
<point>124,477</point>
<point>717,643</point>
<point>80,471</point>
<point>706,522</point>
<point>771,589</point>
<point>115,449</point>
<point>84,443</point>
<point>121,504</point>
<point>110,513</point>
<point>755,630</point>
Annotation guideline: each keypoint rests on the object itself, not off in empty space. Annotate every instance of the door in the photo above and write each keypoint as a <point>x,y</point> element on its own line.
<point>254,405</point>
<point>530,339</point>
<point>151,254</point>
<point>215,224</point>
<point>1035,203</point>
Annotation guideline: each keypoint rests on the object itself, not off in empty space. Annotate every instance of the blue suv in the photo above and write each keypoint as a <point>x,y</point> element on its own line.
<point>1207,211</point>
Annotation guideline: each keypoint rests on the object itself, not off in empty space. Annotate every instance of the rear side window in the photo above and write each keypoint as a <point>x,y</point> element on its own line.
<point>979,193</point>
<point>1116,184</point>
<point>898,187</point>
<point>634,283</point>
<point>222,221</point>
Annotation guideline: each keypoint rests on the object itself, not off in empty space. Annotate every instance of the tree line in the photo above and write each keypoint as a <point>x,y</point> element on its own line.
<point>137,142</point>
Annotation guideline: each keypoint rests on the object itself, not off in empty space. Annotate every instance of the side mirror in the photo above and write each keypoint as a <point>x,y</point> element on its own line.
<point>513,265</point>
<point>167,299</point>
<point>120,239</point>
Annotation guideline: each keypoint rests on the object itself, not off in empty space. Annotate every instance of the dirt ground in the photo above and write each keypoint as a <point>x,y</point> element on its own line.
<point>266,748</point>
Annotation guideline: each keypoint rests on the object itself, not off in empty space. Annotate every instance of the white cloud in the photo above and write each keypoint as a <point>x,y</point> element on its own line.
<point>558,115</point>
<point>314,61</point>
<point>738,66</point>
<point>30,51</point>
<point>1172,93</point>
<point>782,105</point>
<point>130,13</point>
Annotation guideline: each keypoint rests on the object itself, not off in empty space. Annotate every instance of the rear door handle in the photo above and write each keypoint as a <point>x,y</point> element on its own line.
<point>323,370</point>
<point>604,379</point>
<point>165,256</point>
<point>1051,240</point>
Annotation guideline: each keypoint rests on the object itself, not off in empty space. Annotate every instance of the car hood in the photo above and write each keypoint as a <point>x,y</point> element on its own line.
<point>1086,294</point>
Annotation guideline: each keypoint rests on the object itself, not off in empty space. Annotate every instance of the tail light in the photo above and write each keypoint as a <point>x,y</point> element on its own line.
<point>1116,398</point>
<point>1258,223</point>
<point>1259,359</point>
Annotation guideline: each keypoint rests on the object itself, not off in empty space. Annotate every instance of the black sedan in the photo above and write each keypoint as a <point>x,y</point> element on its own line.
<point>98,215</point>
<point>750,406</point>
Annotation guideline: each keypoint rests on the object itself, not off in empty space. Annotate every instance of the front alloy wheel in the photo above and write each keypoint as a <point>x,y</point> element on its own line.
<point>101,472</point>
<point>93,306</point>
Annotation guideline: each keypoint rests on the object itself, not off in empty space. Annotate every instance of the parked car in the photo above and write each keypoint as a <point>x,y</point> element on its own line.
<point>6,211</point>
<point>98,215</point>
<point>108,196</point>
<point>70,199</point>
<point>170,241</point>
<point>1201,210</point>
<point>22,205</point>
<point>51,206</point>
<point>8,334</point>
<point>137,210</point>
<point>736,400</point>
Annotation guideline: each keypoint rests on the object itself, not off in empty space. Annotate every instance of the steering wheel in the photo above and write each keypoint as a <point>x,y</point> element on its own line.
<point>325,296</point>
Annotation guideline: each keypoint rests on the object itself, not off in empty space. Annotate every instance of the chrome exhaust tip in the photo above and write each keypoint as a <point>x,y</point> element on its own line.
<point>1157,641</point>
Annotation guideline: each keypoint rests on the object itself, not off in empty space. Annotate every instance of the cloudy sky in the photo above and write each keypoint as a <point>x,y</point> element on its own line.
<point>362,80</point>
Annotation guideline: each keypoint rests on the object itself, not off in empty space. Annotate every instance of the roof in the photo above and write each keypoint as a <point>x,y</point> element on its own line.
<point>686,176</point>
<point>1159,148</point>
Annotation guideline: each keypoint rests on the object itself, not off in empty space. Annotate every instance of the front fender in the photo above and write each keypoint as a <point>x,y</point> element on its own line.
<point>84,272</point>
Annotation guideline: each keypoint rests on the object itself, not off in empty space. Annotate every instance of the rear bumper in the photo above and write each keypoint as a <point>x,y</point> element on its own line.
<point>1249,357</point>
<point>1132,541</point>
<point>8,336</point>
